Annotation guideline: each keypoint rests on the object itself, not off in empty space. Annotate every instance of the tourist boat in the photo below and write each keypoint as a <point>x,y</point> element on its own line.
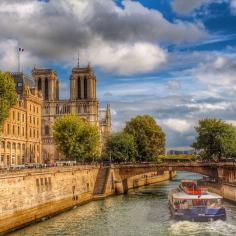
<point>191,202</point>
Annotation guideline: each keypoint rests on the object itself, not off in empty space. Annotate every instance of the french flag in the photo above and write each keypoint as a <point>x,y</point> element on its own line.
<point>21,49</point>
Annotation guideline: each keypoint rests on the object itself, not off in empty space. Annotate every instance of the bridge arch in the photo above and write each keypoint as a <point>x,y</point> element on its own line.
<point>127,172</point>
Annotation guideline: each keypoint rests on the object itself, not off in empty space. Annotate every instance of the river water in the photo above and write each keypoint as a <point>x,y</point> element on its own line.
<point>142,212</point>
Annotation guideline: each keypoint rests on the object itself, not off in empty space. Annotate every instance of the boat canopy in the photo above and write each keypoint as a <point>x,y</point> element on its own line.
<point>183,195</point>
<point>191,187</point>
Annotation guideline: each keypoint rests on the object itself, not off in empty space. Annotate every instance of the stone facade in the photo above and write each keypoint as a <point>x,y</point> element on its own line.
<point>82,101</point>
<point>21,135</point>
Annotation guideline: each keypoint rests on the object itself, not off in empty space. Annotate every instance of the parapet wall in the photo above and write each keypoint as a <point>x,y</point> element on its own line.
<point>226,190</point>
<point>27,196</point>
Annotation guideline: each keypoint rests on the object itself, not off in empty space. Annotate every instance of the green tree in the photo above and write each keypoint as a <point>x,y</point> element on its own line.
<point>148,136</point>
<point>76,138</point>
<point>215,138</point>
<point>121,147</point>
<point>8,95</point>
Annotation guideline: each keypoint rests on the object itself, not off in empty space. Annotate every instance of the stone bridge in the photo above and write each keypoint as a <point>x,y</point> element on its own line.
<point>222,172</point>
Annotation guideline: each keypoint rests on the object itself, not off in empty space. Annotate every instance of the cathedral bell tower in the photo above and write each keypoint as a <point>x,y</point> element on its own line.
<point>46,81</point>
<point>82,84</point>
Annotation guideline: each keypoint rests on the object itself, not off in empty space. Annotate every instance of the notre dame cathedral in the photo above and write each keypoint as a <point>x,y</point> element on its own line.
<point>83,101</point>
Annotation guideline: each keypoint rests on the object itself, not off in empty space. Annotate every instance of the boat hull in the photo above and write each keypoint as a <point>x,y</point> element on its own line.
<point>198,215</point>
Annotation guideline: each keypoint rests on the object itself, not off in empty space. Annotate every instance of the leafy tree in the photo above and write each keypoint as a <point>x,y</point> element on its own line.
<point>76,138</point>
<point>8,95</point>
<point>121,147</point>
<point>215,139</point>
<point>148,136</point>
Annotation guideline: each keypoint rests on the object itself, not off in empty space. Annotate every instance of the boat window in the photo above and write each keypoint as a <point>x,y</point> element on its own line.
<point>199,202</point>
<point>182,204</point>
<point>214,203</point>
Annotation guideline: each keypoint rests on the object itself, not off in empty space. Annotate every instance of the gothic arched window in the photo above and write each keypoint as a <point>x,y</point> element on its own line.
<point>85,87</point>
<point>79,88</point>
<point>57,109</point>
<point>39,84</point>
<point>46,89</point>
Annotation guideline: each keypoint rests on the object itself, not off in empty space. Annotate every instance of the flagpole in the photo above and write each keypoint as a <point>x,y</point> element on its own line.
<point>19,60</point>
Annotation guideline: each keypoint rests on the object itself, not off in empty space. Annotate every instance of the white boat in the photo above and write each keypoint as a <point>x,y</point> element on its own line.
<point>189,202</point>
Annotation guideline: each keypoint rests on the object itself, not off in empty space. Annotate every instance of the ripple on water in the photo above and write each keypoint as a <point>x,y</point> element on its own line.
<point>219,228</point>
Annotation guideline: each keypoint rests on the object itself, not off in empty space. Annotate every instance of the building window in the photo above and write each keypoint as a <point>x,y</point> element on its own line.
<point>18,159</point>
<point>14,147</point>
<point>8,145</point>
<point>18,116</point>
<point>19,130</point>
<point>2,157</point>
<point>8,159</point>
<point>13,159</point>
<point>46,130</point>
<point>13,115</point>
<point>2,145</point>
<point>23,131</point>
<point>8,129</point>
<point>47,109</point>
<point>18,146</point>
<point>13,130</point>
<point>23,118</point>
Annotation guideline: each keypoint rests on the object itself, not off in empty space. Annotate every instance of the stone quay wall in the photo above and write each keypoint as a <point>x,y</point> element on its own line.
<point>27,196</point>
<point>226,190</point>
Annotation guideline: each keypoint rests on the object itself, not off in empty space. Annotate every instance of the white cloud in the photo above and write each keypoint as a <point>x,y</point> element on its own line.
<point>185,7</point>
<point>179,125</point>
<point>218,73</point>
<point>233,6</point>
<point>174,85</point>
<point>9,57</point>
<point>123,39</point>
<point>209,106</point>
<point>233,122</point>
<point>125,58</point>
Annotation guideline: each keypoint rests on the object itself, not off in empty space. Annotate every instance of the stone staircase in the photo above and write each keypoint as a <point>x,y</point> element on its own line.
<point>101,181</point>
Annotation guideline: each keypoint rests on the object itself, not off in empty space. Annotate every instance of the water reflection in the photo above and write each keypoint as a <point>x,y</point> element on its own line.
<point>143,211</point>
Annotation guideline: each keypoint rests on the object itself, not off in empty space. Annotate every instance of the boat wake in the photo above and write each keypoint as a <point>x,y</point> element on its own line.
<point>218,228</point>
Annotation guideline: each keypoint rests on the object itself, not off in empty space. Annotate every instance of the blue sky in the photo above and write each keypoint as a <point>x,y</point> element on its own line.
<point>174,60</point>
